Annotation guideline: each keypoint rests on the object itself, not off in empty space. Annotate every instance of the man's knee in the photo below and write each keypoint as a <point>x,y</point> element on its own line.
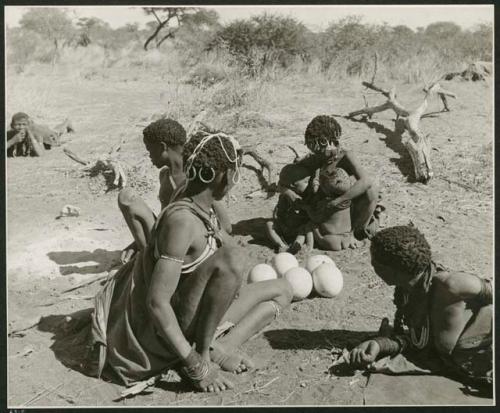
<point>126,198</point>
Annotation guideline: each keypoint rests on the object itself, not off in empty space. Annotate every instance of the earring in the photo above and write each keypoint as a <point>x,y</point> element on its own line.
<point>206,181</point>
<point>191,173</point>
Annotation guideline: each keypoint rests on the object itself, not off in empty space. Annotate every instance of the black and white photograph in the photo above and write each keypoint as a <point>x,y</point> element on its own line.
<point>249,205</point>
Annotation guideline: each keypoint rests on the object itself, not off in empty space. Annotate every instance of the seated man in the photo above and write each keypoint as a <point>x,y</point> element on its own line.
<point>164,306</point>
<point>334,231</point>
<point>322,138</point>
<point>287,230</point>
<point>448,314</point>
<point>27,138</point>
<point>164,140</point>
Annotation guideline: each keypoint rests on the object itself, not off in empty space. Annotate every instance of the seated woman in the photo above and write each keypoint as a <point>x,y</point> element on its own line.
<point>164,140</point>
<point>322,139</point>
<point>446,313</point>
<point>334,231</point>
<point>165,305</point>
<point>288,228</point>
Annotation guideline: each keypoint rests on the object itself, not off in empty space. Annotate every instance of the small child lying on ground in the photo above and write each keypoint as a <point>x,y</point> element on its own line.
<point>27,138</point>
<point>288,228</point>
<point>334,231</point>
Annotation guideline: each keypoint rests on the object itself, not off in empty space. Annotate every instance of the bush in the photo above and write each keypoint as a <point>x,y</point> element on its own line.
<point>264,40</point>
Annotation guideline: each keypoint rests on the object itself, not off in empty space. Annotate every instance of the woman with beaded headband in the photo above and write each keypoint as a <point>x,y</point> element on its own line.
<point>322,138</point>
<point>181,300</point>
<point>439,312</point>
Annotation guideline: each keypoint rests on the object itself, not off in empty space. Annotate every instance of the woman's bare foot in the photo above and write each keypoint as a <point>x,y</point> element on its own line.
<point>230,360</point>
<point>207,377</point>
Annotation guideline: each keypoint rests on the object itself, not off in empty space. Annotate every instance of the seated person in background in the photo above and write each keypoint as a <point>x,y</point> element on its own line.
<point>322,139</point>
<point>164,139</point>
<point>180,300</point>
<point>20,139</point>
<point>448,314</point>
<point>27,138</point>
<point>334,232</point>
<point>288,228</point>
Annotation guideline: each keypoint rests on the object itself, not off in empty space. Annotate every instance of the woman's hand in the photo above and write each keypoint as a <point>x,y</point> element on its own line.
<point>364,354</point>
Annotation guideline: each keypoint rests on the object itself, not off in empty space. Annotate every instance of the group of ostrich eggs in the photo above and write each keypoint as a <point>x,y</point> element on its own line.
<point>319,272</point>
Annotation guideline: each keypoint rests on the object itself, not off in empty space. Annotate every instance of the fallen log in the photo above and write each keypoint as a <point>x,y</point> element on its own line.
<point>416,143</point>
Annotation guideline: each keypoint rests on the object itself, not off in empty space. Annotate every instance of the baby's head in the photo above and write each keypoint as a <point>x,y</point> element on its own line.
<point>334,181</point>
<point>322,134</point>
<point>295,177</point>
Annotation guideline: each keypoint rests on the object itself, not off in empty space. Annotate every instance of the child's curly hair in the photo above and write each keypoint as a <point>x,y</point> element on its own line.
<point>165,130</point>
<point>211,155</point>
<point>323,126</point>
<point>403,248</point>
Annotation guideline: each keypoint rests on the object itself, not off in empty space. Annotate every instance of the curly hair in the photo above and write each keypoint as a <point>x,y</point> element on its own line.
<point>165,130</point>
<point>323,126</point>
<point>402,247</point>
<point>211,155</point>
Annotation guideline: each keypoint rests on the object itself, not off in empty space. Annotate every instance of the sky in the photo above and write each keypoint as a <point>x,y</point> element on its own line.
<point>315,17</point>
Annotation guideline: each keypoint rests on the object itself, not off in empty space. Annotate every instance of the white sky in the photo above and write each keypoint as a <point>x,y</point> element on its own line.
<point>315,17</point>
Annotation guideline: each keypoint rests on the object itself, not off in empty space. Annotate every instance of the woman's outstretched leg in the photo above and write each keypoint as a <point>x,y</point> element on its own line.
<point>257,305</point>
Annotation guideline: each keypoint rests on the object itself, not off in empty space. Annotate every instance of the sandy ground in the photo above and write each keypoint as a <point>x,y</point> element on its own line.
<point>47,256</point>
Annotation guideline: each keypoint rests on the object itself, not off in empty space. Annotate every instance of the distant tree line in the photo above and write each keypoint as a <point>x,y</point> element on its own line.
<point>254,43</point>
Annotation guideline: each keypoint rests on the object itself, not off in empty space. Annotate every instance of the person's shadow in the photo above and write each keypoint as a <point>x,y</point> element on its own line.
<point>255,228</point>
<point>104,260</point>
<point>294,339</point>
<point>71,336</point>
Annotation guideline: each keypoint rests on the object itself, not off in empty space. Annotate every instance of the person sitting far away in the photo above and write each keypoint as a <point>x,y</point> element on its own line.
<point>164,140</point>
<point>180,301</point>
<point>448,314</point>
<point>27,138</point>
<point>322,139</point>
<point>334,232</point>
<point>288,228</point>
<point>20,140</point>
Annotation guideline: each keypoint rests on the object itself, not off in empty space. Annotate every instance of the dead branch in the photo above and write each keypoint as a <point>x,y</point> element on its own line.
<point>105,164</point>
<point>75,157</point>
<point>264,164</point>
<point>417,144</point>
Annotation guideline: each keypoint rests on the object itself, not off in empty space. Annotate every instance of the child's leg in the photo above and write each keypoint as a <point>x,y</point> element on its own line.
<point>327,242</point>
<point>140,219</point>
<point>274,237</point>
<point>363,213</point>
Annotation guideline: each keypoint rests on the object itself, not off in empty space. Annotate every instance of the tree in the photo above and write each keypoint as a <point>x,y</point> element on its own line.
<point>50,23</point>
<point>170,19</point>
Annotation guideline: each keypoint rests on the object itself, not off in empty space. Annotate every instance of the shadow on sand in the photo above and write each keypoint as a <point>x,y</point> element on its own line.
<point>105,260</point>
<point>255,228</point>
<point>393,142</point>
